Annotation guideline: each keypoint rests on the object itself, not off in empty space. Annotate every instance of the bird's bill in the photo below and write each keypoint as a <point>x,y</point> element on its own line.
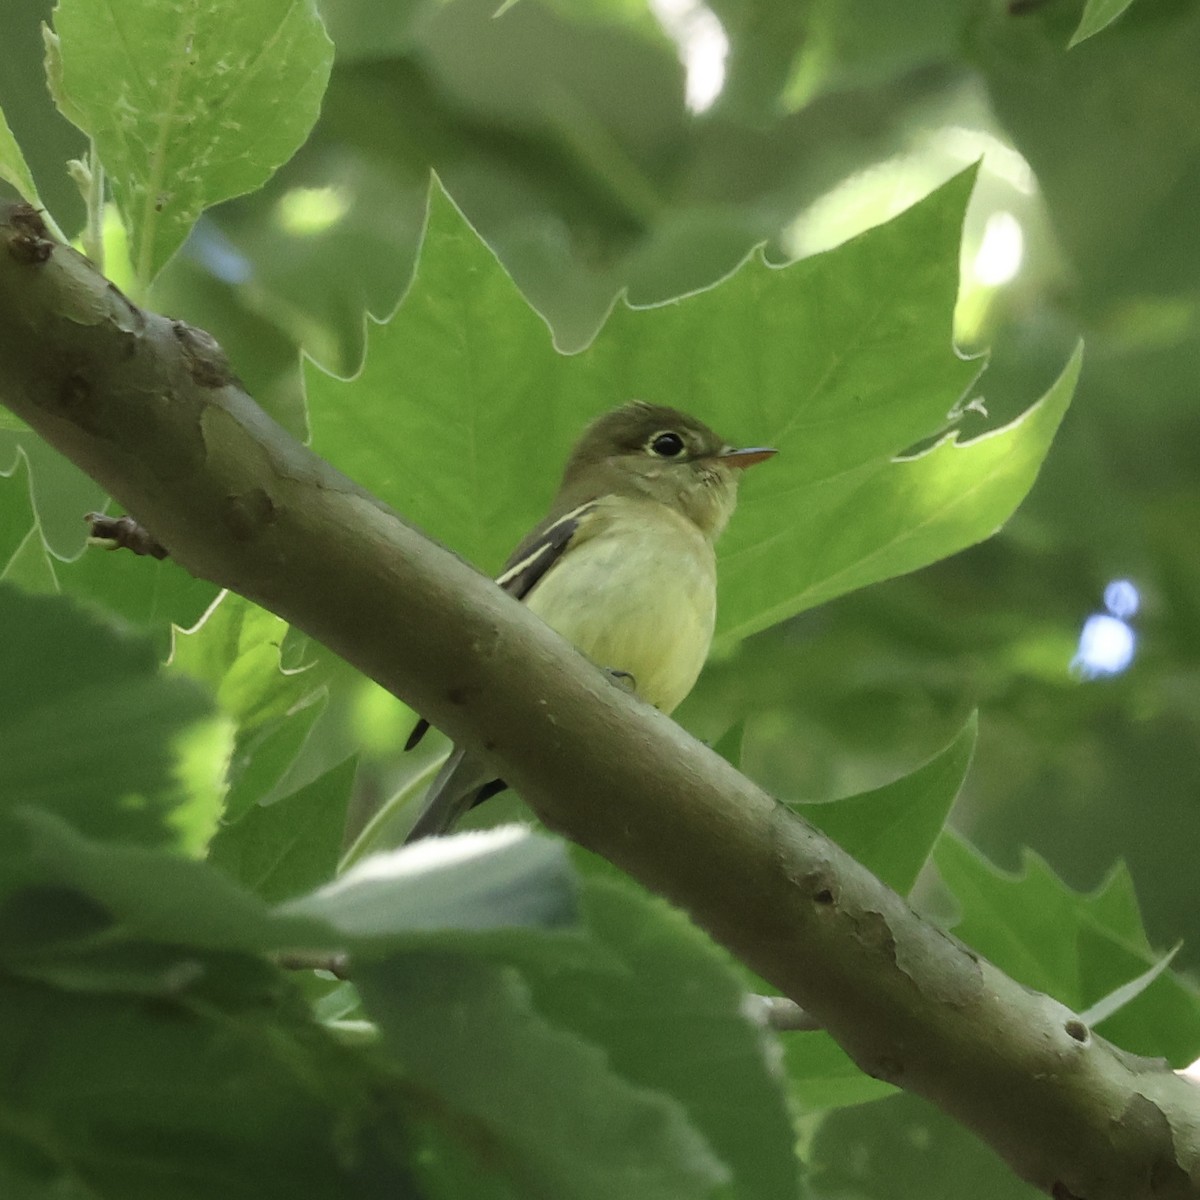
<point>747,457</point>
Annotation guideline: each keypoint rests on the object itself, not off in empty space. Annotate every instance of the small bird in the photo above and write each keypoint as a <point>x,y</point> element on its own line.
<point>623,566</point>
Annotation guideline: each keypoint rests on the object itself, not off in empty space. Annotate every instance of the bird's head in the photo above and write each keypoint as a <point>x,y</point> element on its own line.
<point>653,452</point>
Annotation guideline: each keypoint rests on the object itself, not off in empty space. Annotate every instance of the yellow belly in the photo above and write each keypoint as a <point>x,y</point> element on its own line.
<point>644,604</point>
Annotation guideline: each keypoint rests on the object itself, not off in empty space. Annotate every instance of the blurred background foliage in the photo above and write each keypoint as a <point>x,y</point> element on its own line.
<point>621,148</point>
<point>616,148</point>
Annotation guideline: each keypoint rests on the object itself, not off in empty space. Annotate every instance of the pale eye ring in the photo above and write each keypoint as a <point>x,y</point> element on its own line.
<point>667,444</point>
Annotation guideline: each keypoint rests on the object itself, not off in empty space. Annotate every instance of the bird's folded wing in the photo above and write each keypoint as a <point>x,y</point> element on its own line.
<point>528,565</point>
<point>538,553</point>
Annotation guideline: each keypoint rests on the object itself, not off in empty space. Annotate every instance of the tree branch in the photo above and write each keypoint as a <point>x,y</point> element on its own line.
<point>150,409</point>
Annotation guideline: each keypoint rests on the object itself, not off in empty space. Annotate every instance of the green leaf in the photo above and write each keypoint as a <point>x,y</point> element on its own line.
<point>11,423</point>
<point>464,412</point>
<point>13,167</point>
<point>848,47</point>
<point>468,893</point>
<point>42,505</point>
<point>486,883</point>
<point>189,104</point>
<point>892,518</point>
<point>256,1103</point>
<point>373,29</point>
<point>41,490</point>
<point>1114,907</point>
<point>1158,1014</point>
<point>154,895</point>
<point>668,1009</point>
<point>892,830</point>
<point>94,965</point>
<point>236,650</point>
<point>821,1075</point>
<point>25,1172</point>
<point>24,559</point>
<point>525,1099</point>
<point>902,1149</point>
<point>1027,924</point>
<point>577,199</point>
<point>496,879</point>
<point>1118,998</point>
<point>1097,15</point>
<point>289,846</point>
<point>729,744</point>
<point>98,1012</point>
<point>89,725</point>
<point>262,768</point>
<point>1080,948</point>
<point>60,491</point>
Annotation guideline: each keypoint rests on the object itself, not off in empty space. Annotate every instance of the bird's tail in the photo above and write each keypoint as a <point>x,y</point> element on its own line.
<point>457,788</point>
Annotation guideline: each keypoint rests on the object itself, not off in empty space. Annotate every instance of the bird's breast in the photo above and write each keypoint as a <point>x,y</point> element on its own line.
<point>638,595</point>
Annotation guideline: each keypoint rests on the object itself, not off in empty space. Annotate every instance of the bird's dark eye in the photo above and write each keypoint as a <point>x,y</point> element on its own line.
<point>666,445</point>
